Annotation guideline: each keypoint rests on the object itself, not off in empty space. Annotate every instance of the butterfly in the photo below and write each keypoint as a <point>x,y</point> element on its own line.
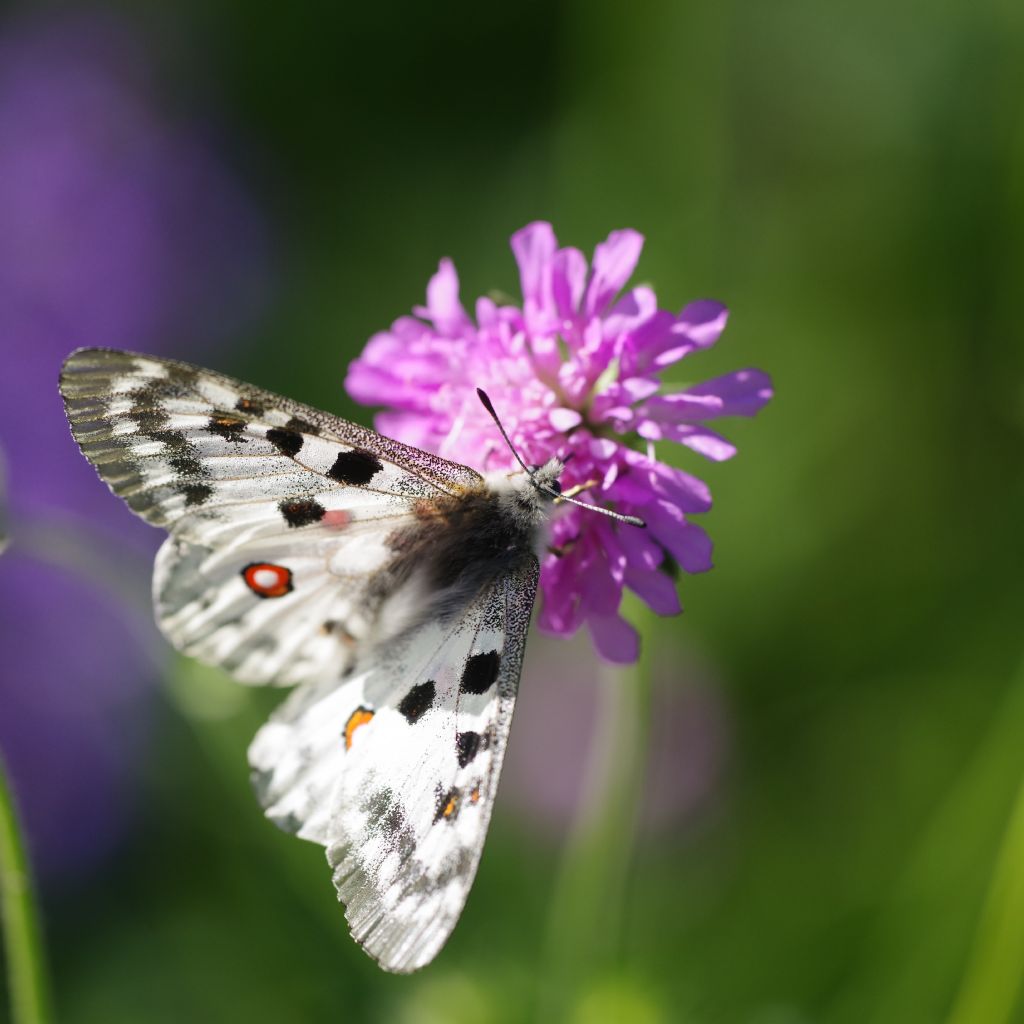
<point>392,588</point>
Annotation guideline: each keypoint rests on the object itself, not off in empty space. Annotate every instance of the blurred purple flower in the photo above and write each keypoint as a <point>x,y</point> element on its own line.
<point>575,372</point>
<point>561,749</point>
<point>73,705</point>
<point>119,229</point>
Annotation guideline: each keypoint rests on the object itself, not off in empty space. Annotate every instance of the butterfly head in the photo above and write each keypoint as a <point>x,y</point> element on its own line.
<point>544,486</point>
<point>545,479</point>
<point>527,497</point>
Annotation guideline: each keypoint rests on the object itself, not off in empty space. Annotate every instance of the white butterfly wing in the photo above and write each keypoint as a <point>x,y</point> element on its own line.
<point>395,770</point>
<point>279,514</point>
<point>282,523</point>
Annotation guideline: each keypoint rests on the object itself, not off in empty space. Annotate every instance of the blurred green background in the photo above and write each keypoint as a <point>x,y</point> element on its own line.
<point>849,179</point>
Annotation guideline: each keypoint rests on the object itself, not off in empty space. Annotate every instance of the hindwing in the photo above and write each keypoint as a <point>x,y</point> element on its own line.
<point>395,770</point>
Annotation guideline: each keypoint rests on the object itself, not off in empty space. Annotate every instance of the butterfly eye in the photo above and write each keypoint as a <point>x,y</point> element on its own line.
<point>556,486</point>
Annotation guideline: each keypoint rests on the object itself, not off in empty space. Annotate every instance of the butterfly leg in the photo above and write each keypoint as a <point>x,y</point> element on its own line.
<point>561,550</point>
<point>578,489</point>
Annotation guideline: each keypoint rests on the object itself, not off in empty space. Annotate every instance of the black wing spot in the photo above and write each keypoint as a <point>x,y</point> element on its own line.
<point>468,744</point>
<point>286,441</point>
<point>480,672</point>
<point>302,426</point>
<point>385,815</point>
<point>376,806</point>
<point>185,464</point>
<point>148,402</point>
<point>301,511</point>
<point>250,406</point>
<point>196,494</point>
<point>393,821</point>
<point>356,467</point>
<point>182,378</point>
<point>416,703</point>
<point>148,419</point>
<point>228,427</point>
<point>173,440</point>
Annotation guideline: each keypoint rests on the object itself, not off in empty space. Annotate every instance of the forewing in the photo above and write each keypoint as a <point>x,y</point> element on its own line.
<point>183,445</point>
<point>279,513</point>
<point>395,770</point>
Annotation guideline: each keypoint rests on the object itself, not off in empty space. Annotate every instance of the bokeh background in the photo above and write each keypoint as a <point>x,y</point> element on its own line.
<point>817,816</point>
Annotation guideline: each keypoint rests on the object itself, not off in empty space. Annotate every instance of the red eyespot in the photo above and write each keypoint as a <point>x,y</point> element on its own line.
<point>337,518</point>
<point>267,580</point>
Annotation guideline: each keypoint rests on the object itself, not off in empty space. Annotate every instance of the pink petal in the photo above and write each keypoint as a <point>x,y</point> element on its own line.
<point>647,340</point>
<point>702,440</point>
<point>656,588</point>
<point>486,312</point>
<point>621,416</point>
<point>639,388</point>
<point>702,322</point>
<point>391,372</point>
<point>687,543</point>
<point>686,492</point>
<point>640,550</point>
<point>568,279</point>
<point>409,428</point>
<point>534,248</point>
<point>563,420</point>
<point>443,306</point>
<point>632,312</point>
<point>631,489</point>
<point>602,448</point>
<point>742,393</point>
<point>682,407</point>
<point>369,384</point>
<point>652,430</point>
<point>410,330</point>
<point>697,326</point>
<point>560,610</point>
<point>614,639</point>
<point>547,357</point>
<point>600,591</point>
<point>614,262</point>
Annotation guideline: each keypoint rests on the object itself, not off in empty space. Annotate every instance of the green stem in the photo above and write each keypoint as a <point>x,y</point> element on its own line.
<point>26,968</point>
<point>991,985</point>
<point>590,899</point>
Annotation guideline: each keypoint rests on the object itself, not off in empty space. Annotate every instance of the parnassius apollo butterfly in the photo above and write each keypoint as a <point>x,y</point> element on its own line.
<point>391,587</point>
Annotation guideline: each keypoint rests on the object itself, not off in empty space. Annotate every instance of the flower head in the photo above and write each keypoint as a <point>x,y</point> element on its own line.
<point>576,372</point>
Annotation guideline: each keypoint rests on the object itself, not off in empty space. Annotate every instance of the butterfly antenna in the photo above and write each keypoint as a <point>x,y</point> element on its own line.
<point>618,516</point>
<point>486,402</point>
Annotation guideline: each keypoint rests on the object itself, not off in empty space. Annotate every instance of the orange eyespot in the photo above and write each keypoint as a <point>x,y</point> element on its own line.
<point>267,580</point>
<point>361,716</point>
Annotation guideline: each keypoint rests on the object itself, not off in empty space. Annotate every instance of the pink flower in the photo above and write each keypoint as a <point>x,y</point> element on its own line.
<point>575,372</point>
